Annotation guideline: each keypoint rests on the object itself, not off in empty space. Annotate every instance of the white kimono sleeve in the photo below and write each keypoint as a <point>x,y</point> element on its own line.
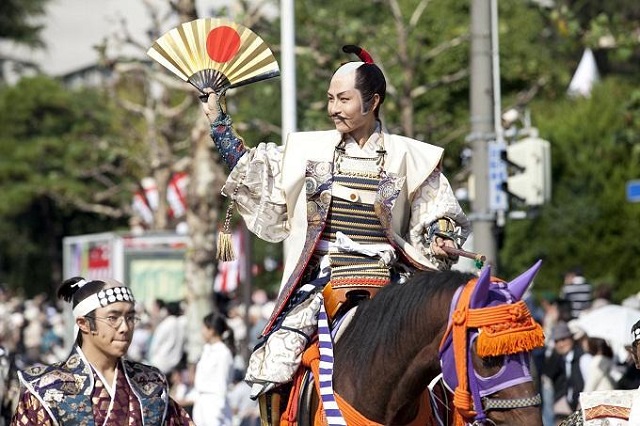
<point>434,200</point>
<point>255,185</point>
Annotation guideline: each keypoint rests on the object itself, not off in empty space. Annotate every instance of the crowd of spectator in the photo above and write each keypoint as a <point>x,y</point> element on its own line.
<point>575,360</point>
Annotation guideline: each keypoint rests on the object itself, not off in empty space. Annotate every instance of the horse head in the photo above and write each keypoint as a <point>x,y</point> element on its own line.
<point>485,353</point>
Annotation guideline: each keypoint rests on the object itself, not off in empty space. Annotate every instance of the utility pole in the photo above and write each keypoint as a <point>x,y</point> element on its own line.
<point>288,72</point>
<point>482,100</point>
<point>288,67</point>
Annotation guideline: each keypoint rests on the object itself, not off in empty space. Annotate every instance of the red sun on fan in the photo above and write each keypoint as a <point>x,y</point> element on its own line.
<point>223,43</point>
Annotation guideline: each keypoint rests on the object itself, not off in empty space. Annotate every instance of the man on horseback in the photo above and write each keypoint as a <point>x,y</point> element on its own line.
<point>358,206</point>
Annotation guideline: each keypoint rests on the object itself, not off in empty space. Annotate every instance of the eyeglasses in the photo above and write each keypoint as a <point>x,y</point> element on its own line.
<point>115,321</point>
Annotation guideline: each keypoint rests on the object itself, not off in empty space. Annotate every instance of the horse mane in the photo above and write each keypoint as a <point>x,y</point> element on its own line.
<point>382,325</point>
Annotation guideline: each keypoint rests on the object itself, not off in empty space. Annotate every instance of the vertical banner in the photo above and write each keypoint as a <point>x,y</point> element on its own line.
<point>145,201</point>
<point>99,264</point>
<point>90,259</point>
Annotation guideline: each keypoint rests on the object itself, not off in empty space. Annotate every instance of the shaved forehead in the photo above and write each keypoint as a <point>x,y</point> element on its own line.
<point>342,82</point>
<point>348,67</point>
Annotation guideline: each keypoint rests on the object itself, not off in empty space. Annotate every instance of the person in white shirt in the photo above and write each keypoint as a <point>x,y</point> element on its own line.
<point>166,348</point>
<point>214,374</point>
<point>600,365</point>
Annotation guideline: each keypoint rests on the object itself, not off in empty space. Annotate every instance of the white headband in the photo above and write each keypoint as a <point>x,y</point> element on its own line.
<point>100,299</point>
<point>103,298</point>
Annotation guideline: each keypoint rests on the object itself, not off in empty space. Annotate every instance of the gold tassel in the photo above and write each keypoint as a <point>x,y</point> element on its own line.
<point>225,252</point>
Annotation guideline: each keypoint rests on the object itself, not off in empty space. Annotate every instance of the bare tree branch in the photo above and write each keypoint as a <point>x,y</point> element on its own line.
<point>524,97</point>
<point>83,205</point>
<point>261,125</point>
<point>417,13</point>
<point>177,110</point>
<point>438,50</point>
<point>446,79</point>
<point>408,70</point>
<point>132,107</point>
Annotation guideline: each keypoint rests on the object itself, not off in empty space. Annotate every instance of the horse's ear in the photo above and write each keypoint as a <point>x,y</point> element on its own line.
<point>519,285</point>
<point>481,292</point>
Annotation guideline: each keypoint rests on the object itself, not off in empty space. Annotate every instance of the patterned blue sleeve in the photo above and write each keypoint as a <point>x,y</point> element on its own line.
<point>230,146</point>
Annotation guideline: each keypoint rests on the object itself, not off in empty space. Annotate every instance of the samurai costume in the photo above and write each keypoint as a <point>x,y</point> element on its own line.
<point>351,216</point>
<point>73,393</point>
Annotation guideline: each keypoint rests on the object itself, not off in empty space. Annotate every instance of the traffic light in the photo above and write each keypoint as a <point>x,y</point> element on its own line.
<point>529,162</point>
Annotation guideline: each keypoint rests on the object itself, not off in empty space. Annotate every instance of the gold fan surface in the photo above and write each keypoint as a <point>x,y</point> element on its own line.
<point>215,53</point>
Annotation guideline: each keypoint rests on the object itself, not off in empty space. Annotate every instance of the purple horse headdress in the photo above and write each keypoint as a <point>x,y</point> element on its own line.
<point>490,314</point>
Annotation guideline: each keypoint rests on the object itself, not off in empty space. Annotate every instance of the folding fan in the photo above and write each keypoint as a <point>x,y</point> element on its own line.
<point>215,53</point>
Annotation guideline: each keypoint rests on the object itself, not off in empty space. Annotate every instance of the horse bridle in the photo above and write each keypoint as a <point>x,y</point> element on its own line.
<point>461,334</point>
<point>492,403</point>
<point>489,403</point>
<point>505,404</point>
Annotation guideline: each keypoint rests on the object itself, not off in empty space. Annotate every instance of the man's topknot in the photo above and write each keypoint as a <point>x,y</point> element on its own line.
<point>358,51</point>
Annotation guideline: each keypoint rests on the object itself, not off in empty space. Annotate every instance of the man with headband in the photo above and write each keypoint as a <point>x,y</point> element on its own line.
<point>95,385</point>
<point>359,208</point>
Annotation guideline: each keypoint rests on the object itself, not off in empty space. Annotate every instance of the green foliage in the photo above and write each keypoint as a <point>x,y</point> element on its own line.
<point>589,222</point>
<point>437,49</point>
<point>610,28</point>
<point>16,21</point>
<point>56,141</point>
<point>57,146</point>
<point>326,26</point>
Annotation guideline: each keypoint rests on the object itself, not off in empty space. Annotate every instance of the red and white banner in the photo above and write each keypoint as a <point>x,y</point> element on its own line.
<point>99,262</point>
<point>141,207</point>
<point>145,201</point>
<point>177,195</point>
